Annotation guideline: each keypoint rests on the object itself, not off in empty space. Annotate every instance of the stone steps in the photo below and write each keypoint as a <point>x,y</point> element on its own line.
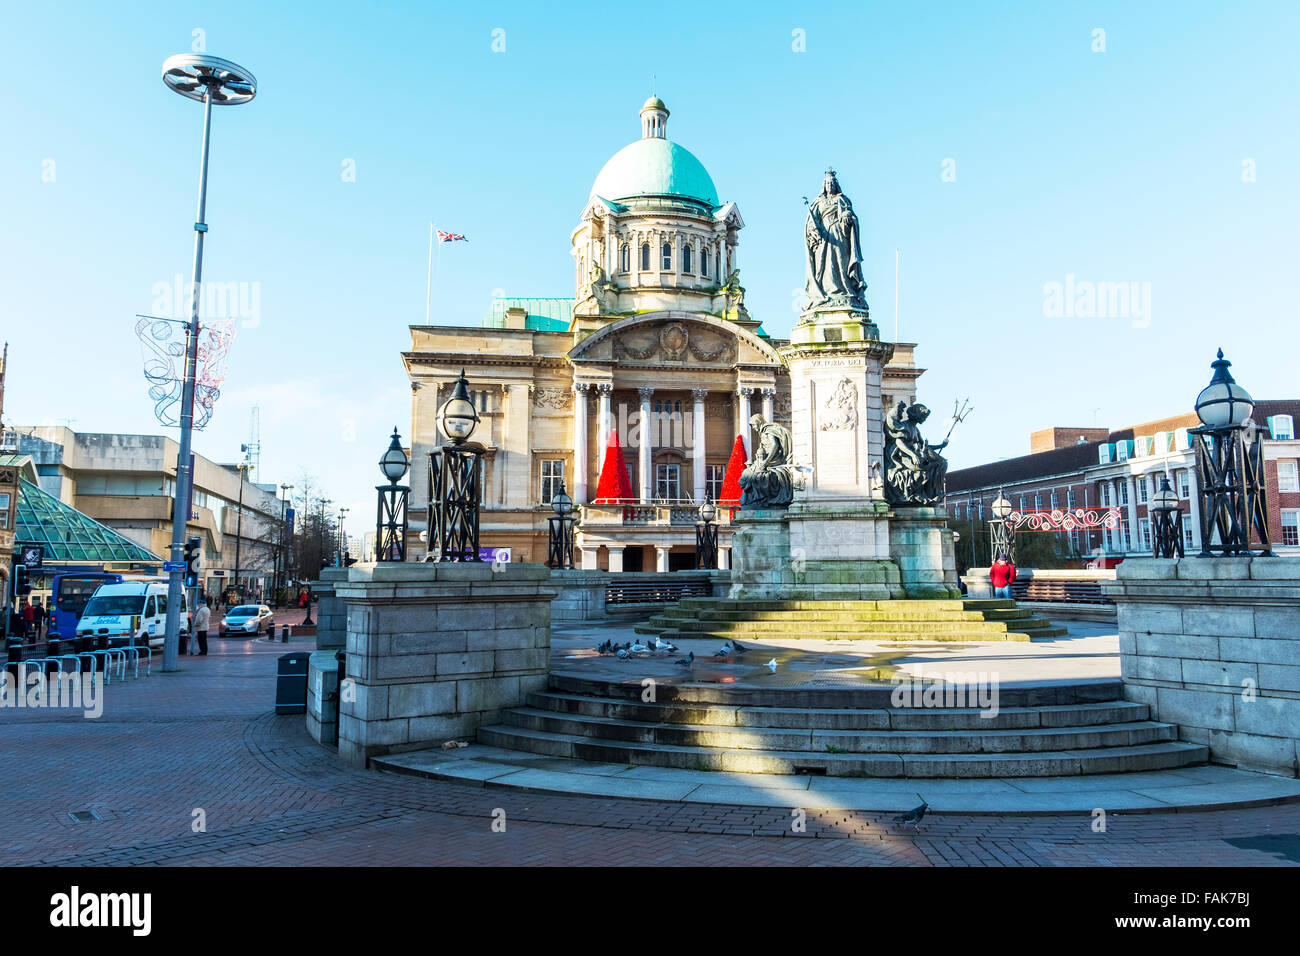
<point>1144,757</point>
<point>1038,731</point>
<point>939,620</point>
<point>1087,714</point>
<point>967,741</point>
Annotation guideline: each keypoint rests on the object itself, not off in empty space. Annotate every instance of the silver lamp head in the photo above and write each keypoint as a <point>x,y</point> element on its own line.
<point>195,75</point>
<point>1223,402</point>
<point>561,503</point>
<point>1000,507</point>
<point>1164,499</point>
<point>708,511</point>
<point>394,462</point>
<point>459,415</point>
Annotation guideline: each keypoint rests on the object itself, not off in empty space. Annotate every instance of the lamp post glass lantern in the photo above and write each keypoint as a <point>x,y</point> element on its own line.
<point>706,537</point>
<point>456,481</point>
<point>209,80</point>
<point>1232,504</point>
<point>559,552</point>
<point>391,522</point>
<point>1002,536</point>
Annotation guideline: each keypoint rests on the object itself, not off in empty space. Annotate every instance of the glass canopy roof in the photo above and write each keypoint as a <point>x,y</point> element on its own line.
<point>67,534</point>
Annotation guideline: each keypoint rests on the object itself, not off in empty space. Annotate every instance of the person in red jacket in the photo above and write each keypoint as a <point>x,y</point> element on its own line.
<point>1002,574</point>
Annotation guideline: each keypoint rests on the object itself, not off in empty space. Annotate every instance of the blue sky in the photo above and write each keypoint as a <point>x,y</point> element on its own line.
<point>1123,165</point>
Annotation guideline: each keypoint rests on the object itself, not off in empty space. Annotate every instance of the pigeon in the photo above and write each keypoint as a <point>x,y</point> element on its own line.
<point>638,648</point>
<point>687,661</point>
<point>724,650</point>
<point>738,647</point>
<point>623,655</point>
<point>914,816</point>
<point>771,665</point>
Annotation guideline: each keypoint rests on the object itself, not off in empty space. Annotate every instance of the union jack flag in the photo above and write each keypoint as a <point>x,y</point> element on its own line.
<point>450,237</point>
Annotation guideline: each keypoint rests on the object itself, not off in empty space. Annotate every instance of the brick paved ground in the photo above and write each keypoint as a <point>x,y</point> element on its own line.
<point>206,739</point>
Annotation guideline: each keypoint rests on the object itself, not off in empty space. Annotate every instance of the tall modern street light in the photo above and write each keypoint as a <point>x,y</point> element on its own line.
<point>280,580</point>
<point>209,80</point>
<point>342,537</point>
<point>242,467</point>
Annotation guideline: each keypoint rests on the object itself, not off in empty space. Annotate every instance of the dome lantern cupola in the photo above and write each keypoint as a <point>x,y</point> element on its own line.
<point>654,119</point>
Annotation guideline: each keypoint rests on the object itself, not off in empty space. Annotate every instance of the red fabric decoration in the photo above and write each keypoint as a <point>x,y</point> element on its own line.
<point>730,493</point>
<point>614,488</point>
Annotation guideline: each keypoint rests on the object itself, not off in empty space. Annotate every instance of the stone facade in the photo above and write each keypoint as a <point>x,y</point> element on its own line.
<point>1213,645</point>
<point>922,546</point>
<point>436,650</point>
<point>331,615</point>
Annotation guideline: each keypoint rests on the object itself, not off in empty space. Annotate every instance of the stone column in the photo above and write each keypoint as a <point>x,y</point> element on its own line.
<point>698,463</point>
<point>769,396</point>
<point>615,559</point>
<point>724,557</point>
<point>661,559</point>
<point>643,466</point>
<point>602,422</point>
<point>590,559</point>
<point>744,393</point>
<point>579,483</point>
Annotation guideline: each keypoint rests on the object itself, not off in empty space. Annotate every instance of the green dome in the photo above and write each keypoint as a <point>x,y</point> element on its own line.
<point>655,167</point>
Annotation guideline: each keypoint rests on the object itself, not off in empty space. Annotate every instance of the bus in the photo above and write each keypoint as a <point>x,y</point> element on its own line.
<point>68,596</point>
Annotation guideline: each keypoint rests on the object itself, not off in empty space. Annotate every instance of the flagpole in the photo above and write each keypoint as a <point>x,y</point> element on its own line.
<point>428,285</point>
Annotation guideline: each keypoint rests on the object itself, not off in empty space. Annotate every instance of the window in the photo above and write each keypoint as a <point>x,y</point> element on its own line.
<point>1126,539</point>
<point>958,515</point>
<point>1038,502</point>
<point>4,510</point>
<point>980,511</point>
<point>624,258</point>
<point>1187,535</point>
<point>686,258</point>
<point>713,480</point>
<point>552,478</point>
<point>1290,527</point>
<point>1142,489</point>
<point>1123,491</point>
<point>1282,427</point>
<point>1022,502</point>
<point>1288,476</point>
<point>1056,502</point>
<point>1184,489</point>
<point>1105,494</point>
<point>668,482</point>
<point>704,263</point>
<point>645,257</point>
<point>1144,529</point>
<point>666,254</point>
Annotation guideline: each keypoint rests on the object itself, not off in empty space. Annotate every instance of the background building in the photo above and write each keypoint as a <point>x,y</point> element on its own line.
<point>126,482</point>
<point>656,347</point>
<point>1087,468</point>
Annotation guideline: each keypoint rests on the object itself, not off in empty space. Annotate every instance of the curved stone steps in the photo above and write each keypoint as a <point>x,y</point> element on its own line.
<point>1151,756</point>
<point>1079,715</point>
<point>961,637</point>
<point>965,741</point>
<point>812,627</point>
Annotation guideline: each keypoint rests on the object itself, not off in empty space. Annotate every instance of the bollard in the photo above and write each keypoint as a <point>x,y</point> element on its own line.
<point>284,635</point>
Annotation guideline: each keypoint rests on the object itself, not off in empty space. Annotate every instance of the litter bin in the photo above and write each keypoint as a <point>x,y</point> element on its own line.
<point>291,684</point>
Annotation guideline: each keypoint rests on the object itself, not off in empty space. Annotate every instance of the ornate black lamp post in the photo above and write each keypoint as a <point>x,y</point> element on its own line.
<point>1230,467</point>
<point>706,538</point>
<point>455,481</point>
<point>1001,535</point>
<point>1166,522</point>
<point>559,553</point>
<point>390,526</point>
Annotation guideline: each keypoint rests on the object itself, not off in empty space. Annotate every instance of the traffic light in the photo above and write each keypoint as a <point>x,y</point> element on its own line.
<point>22,580</point>
<point>193,557</point>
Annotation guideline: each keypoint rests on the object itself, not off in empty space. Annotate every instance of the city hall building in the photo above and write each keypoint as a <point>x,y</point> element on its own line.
<point>656,349</point>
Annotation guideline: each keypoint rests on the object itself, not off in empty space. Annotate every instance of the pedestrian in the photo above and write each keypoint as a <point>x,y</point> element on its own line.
<point>201,621</point>
<point>38,618</point>
<point>1002,574</point>
<point>29,619</point>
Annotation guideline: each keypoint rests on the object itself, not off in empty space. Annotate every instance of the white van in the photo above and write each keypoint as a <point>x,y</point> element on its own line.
<point>129,612</point>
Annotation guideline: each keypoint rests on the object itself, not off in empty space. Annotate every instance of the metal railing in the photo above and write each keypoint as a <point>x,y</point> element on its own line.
<point>668,588</point>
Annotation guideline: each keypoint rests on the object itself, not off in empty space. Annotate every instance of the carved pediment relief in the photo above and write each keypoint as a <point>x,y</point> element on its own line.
<point>674,342</point>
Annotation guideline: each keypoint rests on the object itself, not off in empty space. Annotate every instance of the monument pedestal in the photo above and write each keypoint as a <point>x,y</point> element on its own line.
<point>922,546</point>
<point>436,650</point>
